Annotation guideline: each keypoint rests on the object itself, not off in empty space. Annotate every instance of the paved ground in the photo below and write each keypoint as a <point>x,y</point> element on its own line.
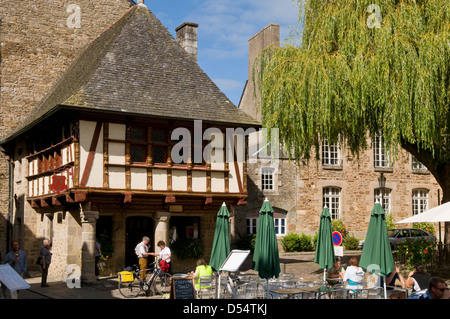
<point>300,264</point>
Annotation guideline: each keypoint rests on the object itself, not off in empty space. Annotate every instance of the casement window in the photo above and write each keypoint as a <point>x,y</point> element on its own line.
<point>159,145</point>
<point>332,200</point>
<point>383,196</point>
<point>419,201</point>
<point>138,144</point>
<point>267,179</point>
<point>280,225</point>
<point>330,154</point>
<point>416,165</point>
<point>380,154</point>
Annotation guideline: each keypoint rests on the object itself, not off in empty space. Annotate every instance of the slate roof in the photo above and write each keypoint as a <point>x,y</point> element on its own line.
<point>137,67</point>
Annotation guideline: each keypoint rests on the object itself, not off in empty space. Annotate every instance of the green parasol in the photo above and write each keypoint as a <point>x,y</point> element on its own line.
<point>221,243</point>
<point>325,249</point>
<point>377,253</point>
<point>265,257</point>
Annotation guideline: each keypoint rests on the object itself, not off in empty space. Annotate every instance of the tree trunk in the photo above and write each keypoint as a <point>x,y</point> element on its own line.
<point>441,173</point>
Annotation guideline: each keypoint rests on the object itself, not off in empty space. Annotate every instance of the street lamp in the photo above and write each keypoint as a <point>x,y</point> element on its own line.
<point>382,181</point>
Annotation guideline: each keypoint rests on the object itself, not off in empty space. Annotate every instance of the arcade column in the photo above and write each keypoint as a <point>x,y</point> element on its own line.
<point>88,234</point>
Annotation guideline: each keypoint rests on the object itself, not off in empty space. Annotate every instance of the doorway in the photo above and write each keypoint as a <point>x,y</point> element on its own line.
<point>136,228</point>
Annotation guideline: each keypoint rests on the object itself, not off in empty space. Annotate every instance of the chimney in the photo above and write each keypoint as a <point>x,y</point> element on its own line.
<point>187,38</point>
<point>268,36</point>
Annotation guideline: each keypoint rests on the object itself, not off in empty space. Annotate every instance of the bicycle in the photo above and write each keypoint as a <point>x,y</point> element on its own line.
<point>158,283</point>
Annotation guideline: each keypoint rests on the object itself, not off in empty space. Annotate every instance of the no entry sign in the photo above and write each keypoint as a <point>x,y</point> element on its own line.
<point>337,238</point>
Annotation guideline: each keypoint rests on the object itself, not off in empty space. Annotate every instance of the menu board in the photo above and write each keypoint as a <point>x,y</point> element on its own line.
<point>11,279</point>
<point>182,288</point>
<point>234,260</point>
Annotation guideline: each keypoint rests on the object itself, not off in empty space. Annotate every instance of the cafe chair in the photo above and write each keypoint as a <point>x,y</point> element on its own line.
<point>205,289</point>
<point>340,292</point>
<point>375,293</point>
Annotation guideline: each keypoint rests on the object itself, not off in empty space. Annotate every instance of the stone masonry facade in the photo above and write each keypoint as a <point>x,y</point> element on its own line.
<point>297,194</point>
<point>39,39</point>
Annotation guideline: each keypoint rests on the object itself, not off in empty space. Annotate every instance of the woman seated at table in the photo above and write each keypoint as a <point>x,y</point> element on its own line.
<point>353,274</point>
<point>202,270</point>
<point>418,280</point>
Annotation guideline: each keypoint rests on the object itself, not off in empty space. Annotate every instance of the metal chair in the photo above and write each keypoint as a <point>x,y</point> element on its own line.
<point>375,293</point>
<point>205,288</point>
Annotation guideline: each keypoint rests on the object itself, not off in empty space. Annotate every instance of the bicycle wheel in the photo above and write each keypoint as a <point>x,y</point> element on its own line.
<point>163,283</point>
<point>130,289</point>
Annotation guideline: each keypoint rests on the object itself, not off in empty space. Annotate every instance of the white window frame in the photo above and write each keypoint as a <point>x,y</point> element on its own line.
<point>280,225</point>
<point>383,196</point>
<point>331,197</point>
<point>331,154</point>
<point>267,179</point>
<point>419,200</point>
<point>416,165</point>
<point>381,158</point>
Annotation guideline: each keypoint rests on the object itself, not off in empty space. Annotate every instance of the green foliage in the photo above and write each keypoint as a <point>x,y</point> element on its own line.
<point>293,242</point>
<point>351,243</point>
<point>390,221</point>
<point>346,79</point>
<point>419,251</point>
<point>188,248</point>
<point>246,242</point>
<point>429,227</point>
<point>338,225</point>
<point>106,247</point>
<point>306,243</point>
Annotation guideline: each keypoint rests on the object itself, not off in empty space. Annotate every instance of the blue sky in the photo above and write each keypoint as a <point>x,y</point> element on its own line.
<point>225,27</point>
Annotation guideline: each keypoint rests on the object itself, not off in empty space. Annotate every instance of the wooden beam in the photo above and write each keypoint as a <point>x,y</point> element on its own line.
<point>170,199</point>
<point>69,198</point>
<point>80,196</point>
<point>91,155</point>
<point>44,203</point>
<point>208,200</point>
<point>127,198</point>
<point>55,201</point>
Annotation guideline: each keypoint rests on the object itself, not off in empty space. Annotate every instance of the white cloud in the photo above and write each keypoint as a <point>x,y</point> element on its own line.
<point>228,24</point>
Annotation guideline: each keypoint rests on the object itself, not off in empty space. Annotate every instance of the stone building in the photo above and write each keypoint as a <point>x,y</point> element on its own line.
<point>133,139</point>
<point>346,185</point>
<point>38,41</point>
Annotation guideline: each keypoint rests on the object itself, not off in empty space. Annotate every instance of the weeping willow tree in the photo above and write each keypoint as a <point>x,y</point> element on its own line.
<point>364,67</point>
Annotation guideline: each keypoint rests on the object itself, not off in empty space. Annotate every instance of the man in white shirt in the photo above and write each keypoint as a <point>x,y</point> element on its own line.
<point>142,253</point>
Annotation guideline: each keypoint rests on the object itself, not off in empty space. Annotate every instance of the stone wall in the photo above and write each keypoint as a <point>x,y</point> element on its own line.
<point>39,39</point>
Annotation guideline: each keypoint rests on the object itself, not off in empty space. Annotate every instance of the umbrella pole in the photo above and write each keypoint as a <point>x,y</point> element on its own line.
<point>384,286</point>
<point>324,275</point>
<point>219,277</point>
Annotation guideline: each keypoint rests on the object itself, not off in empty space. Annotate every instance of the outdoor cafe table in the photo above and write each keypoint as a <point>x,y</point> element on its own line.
<point>357,291</point>
<point>290,293</point>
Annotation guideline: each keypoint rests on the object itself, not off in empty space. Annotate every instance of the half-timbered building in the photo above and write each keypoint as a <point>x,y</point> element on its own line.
<point>134,139</point>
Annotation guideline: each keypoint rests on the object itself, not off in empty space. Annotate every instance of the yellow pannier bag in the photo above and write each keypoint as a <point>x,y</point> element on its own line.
<point>125,276</point>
